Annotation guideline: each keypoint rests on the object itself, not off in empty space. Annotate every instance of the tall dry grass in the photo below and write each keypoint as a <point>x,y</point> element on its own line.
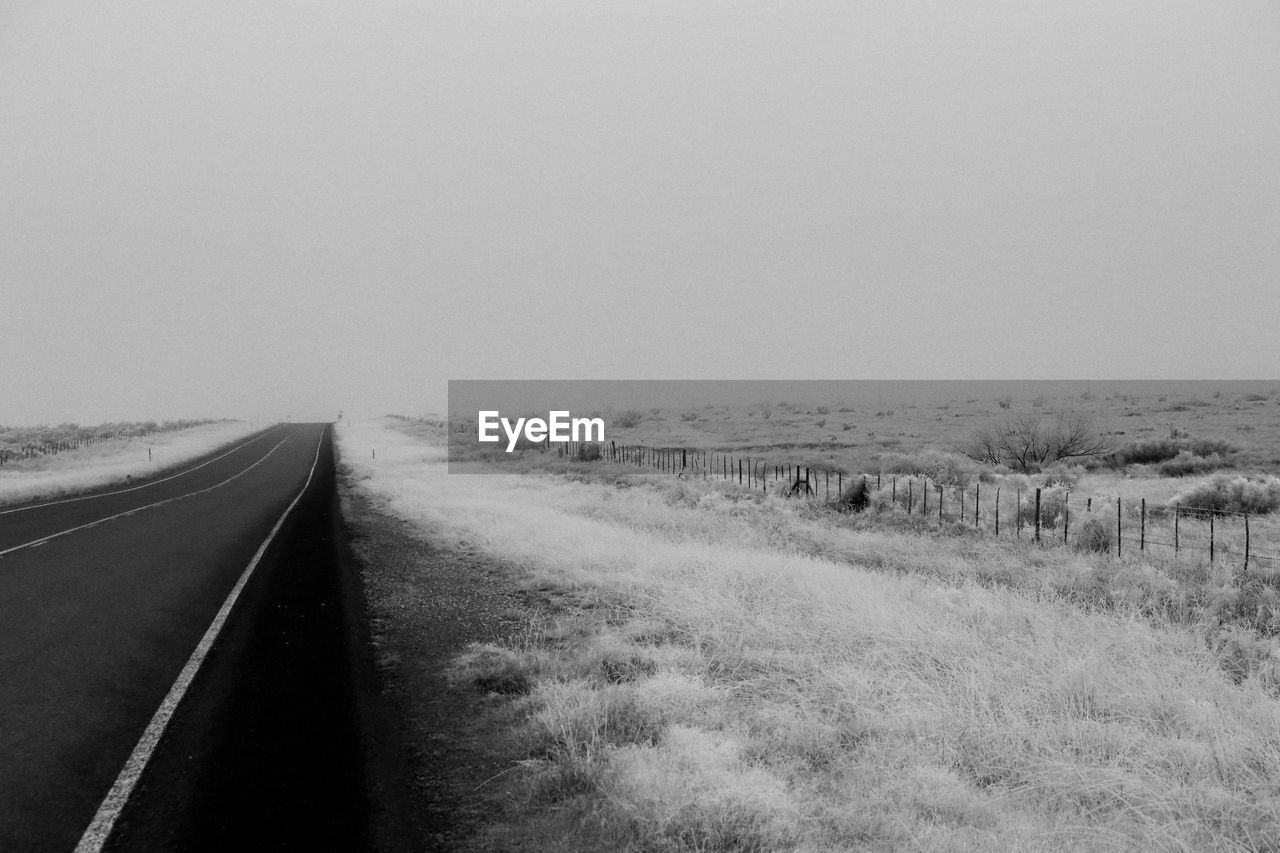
<point>114,461</point>
<point>729,674</point>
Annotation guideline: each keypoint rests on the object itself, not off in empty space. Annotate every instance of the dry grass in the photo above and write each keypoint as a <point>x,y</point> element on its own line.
<point>112,462</point>
<point>737,675</point>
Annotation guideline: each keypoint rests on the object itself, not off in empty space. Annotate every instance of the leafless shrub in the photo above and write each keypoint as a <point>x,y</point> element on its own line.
<point>1025,442</point>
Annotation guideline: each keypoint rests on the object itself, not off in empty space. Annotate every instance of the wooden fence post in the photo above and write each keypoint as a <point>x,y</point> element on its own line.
<point>910,497</point>
<point>1246,542</point>
<point>924,489</point>
<point>1142,534</point>
<point>1017,516</point>
<point>997,512</point>
<point>1037,514</point>
<point>940,504</point>
<point>1066,516</point>
<point>1211,514</point>
<point>1119,529</point>
<point>1176,513</point>
<point>977,493</point>
<point>894,497</point>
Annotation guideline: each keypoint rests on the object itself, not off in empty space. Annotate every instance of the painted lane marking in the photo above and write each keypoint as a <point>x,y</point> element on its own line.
<point>99,830</point>
<point>126,513</point>
<point>262,434</point>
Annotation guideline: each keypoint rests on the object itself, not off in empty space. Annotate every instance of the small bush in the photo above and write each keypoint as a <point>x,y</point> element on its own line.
<point>1187,463</point>
<point>628,419</point>
<point>1053,503</point>
<point>1061,475</point>
<point>947,469</point>
<point>1233,493</point>
<point>855,498</point>
<point>492,669</point>
<point>1151,451</point>
<point>1096,533</point>
<point>688,416</point>
<point>589,452</point>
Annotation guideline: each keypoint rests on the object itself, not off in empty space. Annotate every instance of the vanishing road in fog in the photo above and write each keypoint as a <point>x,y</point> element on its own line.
<point>103,602</point>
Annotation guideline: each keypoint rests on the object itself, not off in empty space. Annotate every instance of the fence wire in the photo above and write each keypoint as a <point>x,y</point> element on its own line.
<point>1050,515</point>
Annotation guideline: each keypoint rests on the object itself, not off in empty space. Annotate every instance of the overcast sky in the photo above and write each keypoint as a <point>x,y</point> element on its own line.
<point>265,209</point>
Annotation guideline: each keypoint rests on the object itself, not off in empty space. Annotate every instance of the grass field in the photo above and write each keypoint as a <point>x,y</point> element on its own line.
<point>858,435</point>
<point>112,461</point>
<point>718,671</point>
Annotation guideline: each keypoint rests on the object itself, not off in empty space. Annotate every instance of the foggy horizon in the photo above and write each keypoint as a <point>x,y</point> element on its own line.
<point>263,212</point>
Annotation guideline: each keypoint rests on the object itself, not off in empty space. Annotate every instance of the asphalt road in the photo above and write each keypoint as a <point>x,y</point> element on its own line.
<point>103,602</point>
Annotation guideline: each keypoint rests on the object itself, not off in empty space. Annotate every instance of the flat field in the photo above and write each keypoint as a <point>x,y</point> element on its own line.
<point>112,461</point>
<point>858,435</point>
<point>711,668</point>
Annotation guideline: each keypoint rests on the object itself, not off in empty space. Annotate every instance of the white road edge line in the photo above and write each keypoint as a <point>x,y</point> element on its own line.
<point>126,513</point>
<point>99,829</point>
<point>262,434</point>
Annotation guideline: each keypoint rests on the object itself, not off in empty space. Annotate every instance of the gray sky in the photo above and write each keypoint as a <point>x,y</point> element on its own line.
<point>259,209</point>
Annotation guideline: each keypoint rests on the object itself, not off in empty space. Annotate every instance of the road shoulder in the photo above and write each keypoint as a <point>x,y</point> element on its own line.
<point>424,605</point>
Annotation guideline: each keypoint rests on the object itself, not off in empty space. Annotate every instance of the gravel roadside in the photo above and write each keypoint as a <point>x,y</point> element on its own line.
<point>423,606</point>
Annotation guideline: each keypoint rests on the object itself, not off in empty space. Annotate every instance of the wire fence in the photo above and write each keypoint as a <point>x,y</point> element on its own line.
<point>20,443</point>
<point>1045,515</point>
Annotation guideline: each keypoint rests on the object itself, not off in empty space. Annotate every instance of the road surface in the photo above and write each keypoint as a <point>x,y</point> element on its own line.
<point>104,601</point>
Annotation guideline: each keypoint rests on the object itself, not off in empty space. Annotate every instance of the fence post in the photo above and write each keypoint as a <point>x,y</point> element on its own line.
<point>894,497</point>
<point>739,472</point>
<point>997,512</point>
<point>960,496</point>
<point>1119,529</point>
<point>877,481</point>
<point>1066,516</point>
<point>977,493</point>
<point>1211,513</point>
<point>1246,542</point>
<point>828,485</point>
<point>940,505</point>
<point>1017,516</point>
<point>840,482</point>
<point>1142,540</point>
<point>910,497</point>
<point>924,505</point>
<point>1037,514</point>
<point>1176,514</point>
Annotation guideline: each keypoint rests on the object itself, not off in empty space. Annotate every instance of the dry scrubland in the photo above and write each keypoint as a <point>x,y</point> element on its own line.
<point>113,461</point>
<point>859,436</point>
<point>720,672</point>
